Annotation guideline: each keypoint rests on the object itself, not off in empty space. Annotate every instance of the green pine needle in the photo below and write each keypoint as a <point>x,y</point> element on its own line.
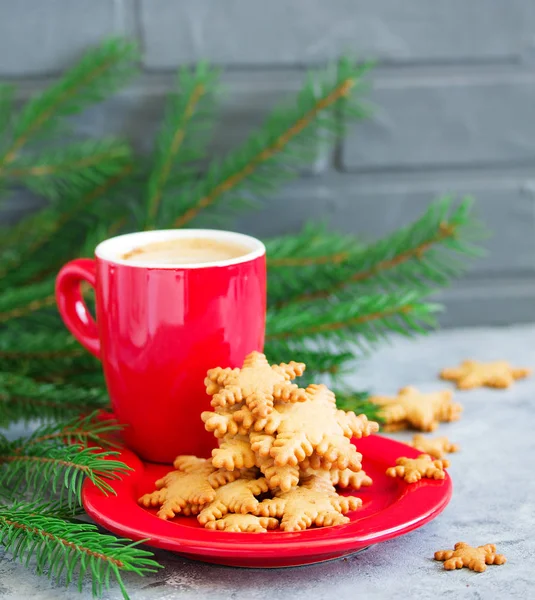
<point>58,230</point>
<point>181,140</point>
<point>363,321</point>
<point>7,93</point>
<point>289,139</point>
<point>52,173</point>
<point>82,431</point>
<point>17,302</point>
<point>24,399</point>
<point>69,551</point>
<point>429,253</point>
<point>42,468</point>
<point>97,75</point>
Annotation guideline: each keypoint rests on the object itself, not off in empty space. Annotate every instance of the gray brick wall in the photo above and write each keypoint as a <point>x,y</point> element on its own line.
<point>454,97</point>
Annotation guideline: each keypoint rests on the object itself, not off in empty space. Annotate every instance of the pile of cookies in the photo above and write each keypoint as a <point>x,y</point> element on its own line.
<point>282,450</point>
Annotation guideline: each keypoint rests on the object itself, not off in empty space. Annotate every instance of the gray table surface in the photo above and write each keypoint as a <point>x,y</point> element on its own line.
<point>493,501</point>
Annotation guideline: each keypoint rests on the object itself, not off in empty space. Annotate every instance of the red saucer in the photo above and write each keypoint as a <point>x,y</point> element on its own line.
<point>390,508</point>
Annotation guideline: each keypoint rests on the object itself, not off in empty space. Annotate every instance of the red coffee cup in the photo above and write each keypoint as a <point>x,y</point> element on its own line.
<point>160,327</point>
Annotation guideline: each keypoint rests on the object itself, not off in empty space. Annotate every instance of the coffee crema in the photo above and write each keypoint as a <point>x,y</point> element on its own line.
<point>186,251</point>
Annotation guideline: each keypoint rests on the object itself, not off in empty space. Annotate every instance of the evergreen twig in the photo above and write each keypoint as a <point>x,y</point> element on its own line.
<point>82,431</point>
<point>99,73</point>
<point>289,139</point>
<point>19,302</point>
<point>22,398</point>
<point>69,551</point>
<point>39,229</point>
<point>183,134</point>
<point>429,252</point>
<point>363,320</point>
<point>43,467</point>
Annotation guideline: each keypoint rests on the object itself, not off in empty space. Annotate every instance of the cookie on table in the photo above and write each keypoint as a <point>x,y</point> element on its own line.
<point>435,447</point>
<point>474,374</point>
<point>418,410</point>
<point>474,558</point>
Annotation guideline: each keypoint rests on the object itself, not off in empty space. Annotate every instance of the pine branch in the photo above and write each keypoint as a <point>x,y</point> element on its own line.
<point>43,467</point>
<point>69,551</point>
<point>182,137</point>
<point>296,260</point>
<point>312,246</point>
<point>23,399</point>
<point>99,73</point>
<point>61,170</point>
<point>7,93</point>
<point>364,320</point>
<point>81,431</point>
<point>428,253</point>
<point>18,302</point>
<point>39,229</point>
<point>38,346</point>
<point>288,139</point>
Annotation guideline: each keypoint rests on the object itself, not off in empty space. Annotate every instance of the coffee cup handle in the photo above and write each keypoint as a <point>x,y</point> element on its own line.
<point>71,305</point>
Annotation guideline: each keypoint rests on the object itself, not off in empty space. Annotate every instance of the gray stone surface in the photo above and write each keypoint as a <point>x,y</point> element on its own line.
<point>492,501</point>
<point>241,32</point>
<point>456,119</point>
<point>39,37</point>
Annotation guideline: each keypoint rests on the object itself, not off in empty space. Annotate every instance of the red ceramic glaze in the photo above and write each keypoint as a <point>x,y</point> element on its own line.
<point>159,328</point>
<point>390,508</point>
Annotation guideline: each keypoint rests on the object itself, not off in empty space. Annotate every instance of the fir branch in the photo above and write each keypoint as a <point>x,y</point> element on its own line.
<point>184,131</point>
<point>99,73</point>
<point>312,246</point>
<point>7,93</point>
<point>287,140</point>
<point>43,467</point>
<point>365,319</point>
<point>57,171</point>
<point>23,398</point>
<point>69,551</point>
<point>81,431</point>
<point>38,346</point>
<point>315,251</point>
<point>429,252</point>
<point>18,302</point>
<point>39,229</point>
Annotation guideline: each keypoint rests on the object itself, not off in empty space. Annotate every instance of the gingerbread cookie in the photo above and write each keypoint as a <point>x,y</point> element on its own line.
<point>284,477</point>
<point>315,425</point>
<point>435,447</point>
<point>465,555</point>
<point>421,411</point>
<point>237,497</point>
<point>257,384</point>
<point>314,502</point>
<point>473,374</point>
<point>182,491</point>
<point>342,478</point>
<point>413,469</point>
<point>243,523</point>
<point>234,452</point>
